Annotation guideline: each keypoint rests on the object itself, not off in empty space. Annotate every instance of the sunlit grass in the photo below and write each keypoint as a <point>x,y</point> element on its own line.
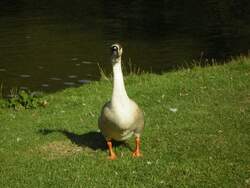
<point>197,134</point>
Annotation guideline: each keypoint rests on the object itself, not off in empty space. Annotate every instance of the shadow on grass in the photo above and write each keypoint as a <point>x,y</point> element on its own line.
<point>93,140</point>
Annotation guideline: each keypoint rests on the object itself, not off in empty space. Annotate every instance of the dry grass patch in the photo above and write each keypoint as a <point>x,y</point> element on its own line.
<point>58,149</point>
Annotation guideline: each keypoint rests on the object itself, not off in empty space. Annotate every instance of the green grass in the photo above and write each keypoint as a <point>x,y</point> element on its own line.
<point>205,143</point>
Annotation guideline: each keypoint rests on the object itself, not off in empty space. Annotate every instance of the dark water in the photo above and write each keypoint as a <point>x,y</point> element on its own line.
<point>52,44</point>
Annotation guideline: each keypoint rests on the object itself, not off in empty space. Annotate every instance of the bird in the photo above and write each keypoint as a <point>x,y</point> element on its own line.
<point>120,117</point>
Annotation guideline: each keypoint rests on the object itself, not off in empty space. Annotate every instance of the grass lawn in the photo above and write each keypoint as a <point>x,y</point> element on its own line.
<point>197,134</point>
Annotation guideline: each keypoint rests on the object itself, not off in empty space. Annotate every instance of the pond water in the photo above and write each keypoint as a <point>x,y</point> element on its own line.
<point>49,45</point>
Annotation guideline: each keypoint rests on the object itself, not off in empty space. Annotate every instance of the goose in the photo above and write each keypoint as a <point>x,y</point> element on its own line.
<point>120,117</point>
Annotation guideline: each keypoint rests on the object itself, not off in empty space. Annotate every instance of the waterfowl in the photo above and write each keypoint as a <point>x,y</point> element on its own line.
<point>120,117</point>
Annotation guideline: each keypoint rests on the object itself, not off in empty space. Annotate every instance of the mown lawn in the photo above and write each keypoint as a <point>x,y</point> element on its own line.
<point>197,134</point>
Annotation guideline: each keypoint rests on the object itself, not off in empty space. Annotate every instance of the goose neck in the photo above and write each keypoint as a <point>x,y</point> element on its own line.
<point>119,91</point>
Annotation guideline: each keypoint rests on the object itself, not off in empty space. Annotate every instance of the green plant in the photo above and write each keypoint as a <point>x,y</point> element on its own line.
<point>26,99</point>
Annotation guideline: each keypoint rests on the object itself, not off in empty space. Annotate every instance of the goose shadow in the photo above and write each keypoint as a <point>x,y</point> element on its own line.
<point>93,139</point>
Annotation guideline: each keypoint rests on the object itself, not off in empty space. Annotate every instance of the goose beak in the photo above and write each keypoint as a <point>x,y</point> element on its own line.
<point>114,50</point>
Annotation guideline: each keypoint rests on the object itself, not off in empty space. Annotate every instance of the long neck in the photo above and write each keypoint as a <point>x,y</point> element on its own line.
<point>119,92</point>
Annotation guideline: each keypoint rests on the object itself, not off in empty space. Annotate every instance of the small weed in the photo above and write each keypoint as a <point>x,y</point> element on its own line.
<point>102,73</point>
<point>26,99</point>
<point>131,69</point>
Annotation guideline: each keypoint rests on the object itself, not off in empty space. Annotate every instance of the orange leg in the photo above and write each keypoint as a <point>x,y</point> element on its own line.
<point>112,155</point>
<point>137,152</point>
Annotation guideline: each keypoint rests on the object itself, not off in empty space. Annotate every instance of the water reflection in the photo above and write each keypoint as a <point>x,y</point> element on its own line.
<point>69,83</point>
<point>54,78</point>
<point>87,62</point>
<point>72,76</point>
<point>45,85</point>
<point>25,75</point>
<point>84,81</point>
<point>44,43</point>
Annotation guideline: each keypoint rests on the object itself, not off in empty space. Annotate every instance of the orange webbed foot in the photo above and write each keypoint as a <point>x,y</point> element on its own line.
<point>112,157</point>
<point>137,154</point>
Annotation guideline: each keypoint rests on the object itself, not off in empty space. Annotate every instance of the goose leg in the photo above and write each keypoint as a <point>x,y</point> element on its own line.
<point>112,155</point>
<point>137,152</point>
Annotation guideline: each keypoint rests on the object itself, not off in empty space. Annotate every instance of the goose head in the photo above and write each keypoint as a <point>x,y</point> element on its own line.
<point>116,53</point>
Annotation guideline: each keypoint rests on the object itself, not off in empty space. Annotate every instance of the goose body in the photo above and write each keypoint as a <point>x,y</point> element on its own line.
<point>121,122</point>
<point>120,117</point>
